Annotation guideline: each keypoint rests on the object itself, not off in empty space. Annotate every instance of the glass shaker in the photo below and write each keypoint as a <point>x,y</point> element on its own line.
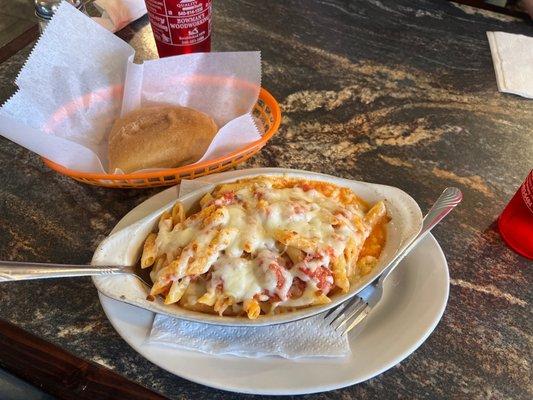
<point>45,9</point>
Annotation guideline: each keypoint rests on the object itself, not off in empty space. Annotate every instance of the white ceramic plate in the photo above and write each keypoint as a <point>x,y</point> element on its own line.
<point>414,299</point>
<point>124,245</point>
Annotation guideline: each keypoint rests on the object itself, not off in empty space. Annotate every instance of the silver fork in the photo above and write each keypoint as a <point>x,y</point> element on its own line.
<point>352,312</point>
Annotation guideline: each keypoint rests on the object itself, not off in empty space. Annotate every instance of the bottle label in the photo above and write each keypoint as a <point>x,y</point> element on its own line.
<point>180,22</point>
<point>527,191</point>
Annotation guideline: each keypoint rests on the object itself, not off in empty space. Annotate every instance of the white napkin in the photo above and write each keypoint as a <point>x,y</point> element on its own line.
<point>512,56</point>
<point>116,14</point>
<point>309,337</point>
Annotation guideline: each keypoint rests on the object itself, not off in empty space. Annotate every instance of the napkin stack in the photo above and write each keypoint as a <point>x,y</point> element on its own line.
<point>310,337</point>
<point>513,62</point>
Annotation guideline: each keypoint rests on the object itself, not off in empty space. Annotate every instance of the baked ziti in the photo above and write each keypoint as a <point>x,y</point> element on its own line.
<point>264,245</point>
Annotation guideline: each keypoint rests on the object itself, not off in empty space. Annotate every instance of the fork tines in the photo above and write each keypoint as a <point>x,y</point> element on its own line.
<point>346,316</point>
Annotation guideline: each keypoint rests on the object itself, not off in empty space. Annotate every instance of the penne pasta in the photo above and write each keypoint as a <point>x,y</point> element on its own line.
<point>149,251</point>
<point>264,245</point>
<point>351,253</point>
<point>296,255</point>
<point>340,276</point>
<point>157,266</point>
<point>165,222</point>
<point>293,239</point>
<point>178,213</point>
<point>206,200</point>
<point>321,299</point>
<point>201,215</point>
<point>217,217</point>
<point>208,255</point>
<point>222,303</point>
<point>208,298</point>
<point>177,290</point>
<point>161,286</point>
<point>375,214</point>
<point>252,308</point>
<point>366,264</point>
<point>178,266</point>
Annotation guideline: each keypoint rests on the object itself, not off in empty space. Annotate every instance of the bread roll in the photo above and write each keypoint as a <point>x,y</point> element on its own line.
<point>159,137</point>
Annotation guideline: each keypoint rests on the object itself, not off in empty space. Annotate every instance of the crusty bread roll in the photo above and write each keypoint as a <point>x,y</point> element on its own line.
<point>159,137</point>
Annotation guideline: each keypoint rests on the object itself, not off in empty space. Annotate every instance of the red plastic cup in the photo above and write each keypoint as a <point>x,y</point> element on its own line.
<point>180,26</point>
<point>516,221</point>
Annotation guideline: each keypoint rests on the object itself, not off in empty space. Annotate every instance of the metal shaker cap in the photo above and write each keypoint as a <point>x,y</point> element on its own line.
<point>45,9</point>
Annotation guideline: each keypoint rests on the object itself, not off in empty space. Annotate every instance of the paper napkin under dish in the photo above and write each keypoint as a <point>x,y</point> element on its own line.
<point>309,337</point>
<point>512,56</point>
<point>116,14</point>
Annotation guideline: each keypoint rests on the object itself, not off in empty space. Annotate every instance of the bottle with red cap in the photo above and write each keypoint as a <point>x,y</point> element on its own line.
<point>180,26</point>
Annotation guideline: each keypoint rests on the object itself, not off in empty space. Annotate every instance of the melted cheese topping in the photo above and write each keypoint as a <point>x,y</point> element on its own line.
<point>241,279</point>
<point>267,220</point>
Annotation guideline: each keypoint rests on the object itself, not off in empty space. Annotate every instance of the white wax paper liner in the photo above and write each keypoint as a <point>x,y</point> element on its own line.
<point>72,88</point>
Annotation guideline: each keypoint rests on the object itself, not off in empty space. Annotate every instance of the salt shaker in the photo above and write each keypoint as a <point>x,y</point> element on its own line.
<point>45,9</point>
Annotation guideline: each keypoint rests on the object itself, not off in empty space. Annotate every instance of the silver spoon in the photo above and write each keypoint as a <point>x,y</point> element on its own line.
<point>22,271</point>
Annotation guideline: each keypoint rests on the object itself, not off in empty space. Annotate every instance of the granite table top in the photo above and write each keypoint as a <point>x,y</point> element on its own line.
<point>401,93</point>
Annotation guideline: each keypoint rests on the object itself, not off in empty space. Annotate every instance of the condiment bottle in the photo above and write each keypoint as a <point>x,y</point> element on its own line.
<point>180,26</point>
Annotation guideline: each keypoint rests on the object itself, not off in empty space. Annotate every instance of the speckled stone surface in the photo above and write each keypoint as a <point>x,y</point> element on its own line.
<point>401,93</point>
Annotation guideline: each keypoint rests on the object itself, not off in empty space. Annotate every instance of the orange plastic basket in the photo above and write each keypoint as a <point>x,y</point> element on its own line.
<point>266,111</point>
